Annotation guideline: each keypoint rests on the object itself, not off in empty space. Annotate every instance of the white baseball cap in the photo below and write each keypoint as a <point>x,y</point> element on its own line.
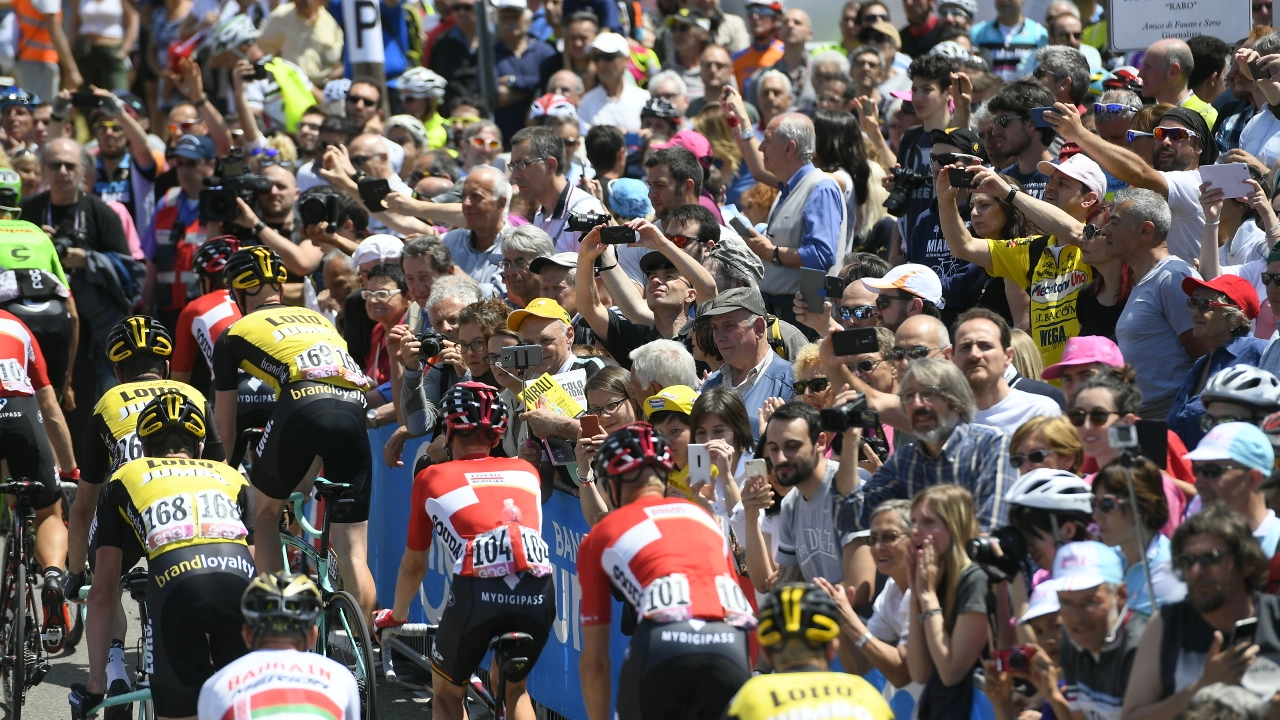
<point>1044,600</point>
<point>916,279</point>
<point>511,4</point>
<point>377,248</point>
<point>1079,167</point>
<point>610,43</point>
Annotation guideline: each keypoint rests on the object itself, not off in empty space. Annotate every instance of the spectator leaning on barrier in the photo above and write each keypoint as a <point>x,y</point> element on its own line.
<point>950,448</point>
<point>1185,646</point>
<point>752,369</point>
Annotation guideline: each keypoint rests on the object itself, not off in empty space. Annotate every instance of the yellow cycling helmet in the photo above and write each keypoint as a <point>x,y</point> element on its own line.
<point>252,267</point>
<point>281,602</point>
<point>138,334</point>
<point>171,411</point>
<point>798,610</point>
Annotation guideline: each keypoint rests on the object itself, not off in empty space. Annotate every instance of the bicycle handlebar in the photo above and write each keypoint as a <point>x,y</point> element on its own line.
<point>407,630</point>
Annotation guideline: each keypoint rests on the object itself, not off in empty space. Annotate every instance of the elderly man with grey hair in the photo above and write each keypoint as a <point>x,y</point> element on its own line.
<point>1064,71</point>
<point>669,86</point>
<point>520,246</point>
<point>950,449</point>
<point>486,197</point>
<point>661,364</point>
<point>807,226</point>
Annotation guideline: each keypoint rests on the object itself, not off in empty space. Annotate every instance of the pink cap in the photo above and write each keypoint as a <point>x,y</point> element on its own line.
<point>1082,350</point>
<point>1079,167</point>
<point>691,140</point>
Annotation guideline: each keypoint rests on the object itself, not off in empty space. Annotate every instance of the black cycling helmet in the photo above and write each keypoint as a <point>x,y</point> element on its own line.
<point>659,107</point>
<point>798,610</point>
<point>281,603</point>
<point>138,334</point>
<point>473,405</point>
<point>252,267</point>
<point>171,411</point>
<point>211,258</point>
<point>630,448</point>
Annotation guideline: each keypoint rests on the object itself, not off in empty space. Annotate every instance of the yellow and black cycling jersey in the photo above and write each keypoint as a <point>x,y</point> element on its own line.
<point>280,345</point>
<point>808,694</point>
<point>165,504</point>
<point>115,420</point>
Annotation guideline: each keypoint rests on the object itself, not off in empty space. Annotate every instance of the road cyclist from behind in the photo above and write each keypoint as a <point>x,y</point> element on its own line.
<point>279,677</point>
<point>488,513</point>
<point>673,566</point>
<point>186,516</point>
<point>140,348</point>
<point>799,632</point>
<point>319,413</point>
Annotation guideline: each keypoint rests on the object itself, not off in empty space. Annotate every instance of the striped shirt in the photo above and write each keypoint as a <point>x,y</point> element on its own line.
<point>975,457</point>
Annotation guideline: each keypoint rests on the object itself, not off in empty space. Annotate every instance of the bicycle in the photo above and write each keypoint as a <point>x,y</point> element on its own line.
<point>344,637</point>
<point>135,581</point>
<point>79,611</point>
<point>23,663</point>
<point>506,648</point>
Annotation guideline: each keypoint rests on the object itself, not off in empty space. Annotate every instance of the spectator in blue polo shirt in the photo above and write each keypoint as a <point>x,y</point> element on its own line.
<point>751,368</point>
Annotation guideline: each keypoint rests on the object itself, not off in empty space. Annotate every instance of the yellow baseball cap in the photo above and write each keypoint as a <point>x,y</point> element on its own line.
<point>678,398</point>
<point>541,307</point>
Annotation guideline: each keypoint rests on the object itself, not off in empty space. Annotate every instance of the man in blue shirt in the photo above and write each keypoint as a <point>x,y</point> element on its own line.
<point>523,64</point>
<point>751,368</point>
<point>1008,38</point>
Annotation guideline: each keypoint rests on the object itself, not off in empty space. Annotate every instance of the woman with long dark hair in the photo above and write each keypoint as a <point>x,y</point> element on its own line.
<point>608,399</point>
<point>1113,511</point>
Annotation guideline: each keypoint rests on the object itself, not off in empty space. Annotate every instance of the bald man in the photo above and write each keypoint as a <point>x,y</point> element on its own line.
<point>1166,73</point>
<point>796,30</point>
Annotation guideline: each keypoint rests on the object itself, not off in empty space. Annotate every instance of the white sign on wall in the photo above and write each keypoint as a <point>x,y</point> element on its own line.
<point>1135,24</point>
<point>362,27</point>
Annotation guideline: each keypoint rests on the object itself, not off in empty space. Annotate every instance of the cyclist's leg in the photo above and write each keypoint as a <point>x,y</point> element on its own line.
<point>104,601</point>
<point>26,448</point>
<point>456,649</point>
<point>347,459</point>
<point>284,457</point>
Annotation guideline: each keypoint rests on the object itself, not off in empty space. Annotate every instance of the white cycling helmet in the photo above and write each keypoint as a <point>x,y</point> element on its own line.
<point>969,6</point>
<point>230,34</point>
<point>420,82</point>
<point>1054,490</point>
<point>952,50</point>
<point>1244,385</point>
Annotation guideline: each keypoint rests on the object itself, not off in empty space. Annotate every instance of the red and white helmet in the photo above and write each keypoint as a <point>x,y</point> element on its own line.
<point>630,448</point>
<point>472,405</point>
<point>552,104</point>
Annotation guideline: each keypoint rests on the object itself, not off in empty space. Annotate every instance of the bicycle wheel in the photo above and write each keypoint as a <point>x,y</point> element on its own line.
<point>15,652</point>
<point>345,639</point>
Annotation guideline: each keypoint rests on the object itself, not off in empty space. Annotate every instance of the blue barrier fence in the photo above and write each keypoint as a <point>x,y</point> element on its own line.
<point>554,680</point>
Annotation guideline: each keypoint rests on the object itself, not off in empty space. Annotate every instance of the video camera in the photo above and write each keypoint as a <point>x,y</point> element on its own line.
<point>849,415</point>
<point>218,199</point>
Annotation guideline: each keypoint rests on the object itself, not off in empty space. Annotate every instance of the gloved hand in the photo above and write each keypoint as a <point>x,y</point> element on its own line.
<point>71,584</point>
<point>82,701</point>
<point>383,620</point>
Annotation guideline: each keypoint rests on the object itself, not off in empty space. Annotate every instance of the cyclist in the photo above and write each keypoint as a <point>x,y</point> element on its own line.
<point>140,348</point>
<point>35,441</point>
<point>39,294</point>
<point>798,626</point>
<point>672,564</point>
<point>185,515</point>
<point>280,614</point>
<point>488,513</point>
<point>319,412</point>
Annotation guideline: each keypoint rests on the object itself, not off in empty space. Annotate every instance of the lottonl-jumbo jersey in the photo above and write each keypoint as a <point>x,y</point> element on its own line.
<point>281,345</point>
<point>115,418</point>
<point>487,512</point>
<point>201,323</point>
<point>25,246</point>
<point>281,684</point>
<point>22,368</point>
<point>668,558</point>
<point>168,504</point>
<point>808,695</point>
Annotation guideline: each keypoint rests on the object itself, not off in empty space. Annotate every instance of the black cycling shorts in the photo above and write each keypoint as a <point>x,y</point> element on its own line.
<point>677,670</point>
<point>194,620</point>
<point>50,322</point>
<point>310,419</point>
<point>480,609</point>
<point>255,402</point>
<point>25,446</point>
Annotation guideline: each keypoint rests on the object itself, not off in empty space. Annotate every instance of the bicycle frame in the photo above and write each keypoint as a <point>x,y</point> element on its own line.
<point>495,701</point>
<point>143,693</point>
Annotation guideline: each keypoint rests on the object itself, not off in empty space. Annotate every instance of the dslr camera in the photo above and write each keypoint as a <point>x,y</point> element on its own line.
<point>905,181</point>
<point>316,209</point>
<point>853,414</point>
<point>68,236</point>
<point>218,199</point>
<point>432,343</point>
<point>1013,548</point>
<point>583,222</point>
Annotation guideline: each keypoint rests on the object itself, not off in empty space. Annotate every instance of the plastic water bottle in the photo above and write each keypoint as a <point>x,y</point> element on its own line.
<point>510,513</point>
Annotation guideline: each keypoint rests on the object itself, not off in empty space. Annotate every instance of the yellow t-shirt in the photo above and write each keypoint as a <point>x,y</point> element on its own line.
<point>808,694</point>
<point>1059,274</point>
<point>1207,111</point>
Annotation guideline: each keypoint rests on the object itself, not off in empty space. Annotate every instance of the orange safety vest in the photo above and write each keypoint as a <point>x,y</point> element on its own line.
<point>175,248</point>
<point>34,41</point>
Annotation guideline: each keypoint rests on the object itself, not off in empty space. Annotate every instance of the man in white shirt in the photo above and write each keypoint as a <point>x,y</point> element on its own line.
<point>983,349</point>
<point>1230,464</point>
<point>613,101</point>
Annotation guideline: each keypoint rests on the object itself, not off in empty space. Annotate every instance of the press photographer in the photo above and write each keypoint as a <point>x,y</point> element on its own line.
<point>269,220</point>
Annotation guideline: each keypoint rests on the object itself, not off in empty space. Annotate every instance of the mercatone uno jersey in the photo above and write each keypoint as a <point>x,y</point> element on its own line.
<point>281,345</point>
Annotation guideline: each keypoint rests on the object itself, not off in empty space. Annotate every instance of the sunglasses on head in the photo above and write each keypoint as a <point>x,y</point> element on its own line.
<point>1035,456</point>
<point>815,385</point>
<point>860,312</point>
<point>1112,109</point>
<point>1173,134</point>
<point>1097,416</point>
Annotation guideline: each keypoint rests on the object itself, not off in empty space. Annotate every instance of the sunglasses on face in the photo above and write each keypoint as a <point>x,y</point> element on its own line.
<point>873,19</point>
<point>942,159</point>
<point>68,166</point>
<point>1271,278</point>
<point>762,12</point>
<point>1211,471</point>
<point>681,241</point>
<point>1132,135</point>
<point>915,352</point>
<point>888,537</point>
<point>1112,109</point>
<point>1064,35</point>
<point>357,100</point>
<point>358,160</point>
<point>815,385</point>
<point>1202,305</point>
<point>1004,120</point>
<point>1040,73</point>
<point>1035,456</point>
<point>1185,561</point>
<point>884,301</point>
<point>482,144</point>
<point>1107,504</point>
<point>383,295</point>
<point>1172,134</point>
<point>186,126</point>
<point>313,127</point>
<point>1097,416</point>
<point>859,312</point>
<point>1209,422</point>
<point>108,126</point>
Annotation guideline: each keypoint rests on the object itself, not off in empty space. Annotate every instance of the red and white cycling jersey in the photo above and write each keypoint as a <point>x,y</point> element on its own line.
<point>668,558</point>
<point>281,684</point>
<point>488,513</point>
<point>200,325</point>
<point>22,367</point>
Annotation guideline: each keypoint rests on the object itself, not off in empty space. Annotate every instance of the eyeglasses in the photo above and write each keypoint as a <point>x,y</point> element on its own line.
<point>186,126</point>
<point>1202,305</point>
<point>873,19</point>
<point>491,358</point>
<point>313,127</point>
<point>1211,471</point>
<point>357,100</point>
<point>1209,422</point>
<point>888,537</point>
<point>858,312</point>
<point>474,346</point>
<point>180,163</point>
<point>883,301</point>
<point>1107,503</point>
<point>108,126</point>
<point>930,395</point>
<point>815,385</point>
<point>1064,35</point>
<point>1185,561</point>
<point>1173,134</point>
<point>1035,456</point>
<point>517,264</point>
<point>915,352</point>
<point>362,159</point>
<point>1097,416</point>
<point>570,141</point>
<point>1271,279</point>
<point>1113,109</point>
<point>1132,135</point>
<point>382,295</point>
<point>1004,120</point>
<point>68,166</point>
<point>864,367</point>
<point>521,165</point>
<point>482,144</point>
<point>608,408</point>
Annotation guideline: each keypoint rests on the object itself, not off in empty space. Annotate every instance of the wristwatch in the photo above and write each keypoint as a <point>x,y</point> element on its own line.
<point>776,260</point>
<point>1012,191</point>
<point>258,227</point>
<point>745,131</point>
<point>371,418</point>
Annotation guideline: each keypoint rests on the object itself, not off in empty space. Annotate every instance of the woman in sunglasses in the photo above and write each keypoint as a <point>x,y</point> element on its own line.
<point>1113,512</point>
<point>812,384</point>
<point>1045,442</point>
<point>1109,399</point>
<point>1222,310</point>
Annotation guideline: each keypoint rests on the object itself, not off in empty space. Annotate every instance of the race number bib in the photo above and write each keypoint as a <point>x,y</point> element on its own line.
<point>219,516</point>
<point>169,520</point>
<point>737,609</point>
<point>507,550</point>
<point>667,599</point>
<point>13,376</point>
<point>125,449</point>
<point>323,360</point>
